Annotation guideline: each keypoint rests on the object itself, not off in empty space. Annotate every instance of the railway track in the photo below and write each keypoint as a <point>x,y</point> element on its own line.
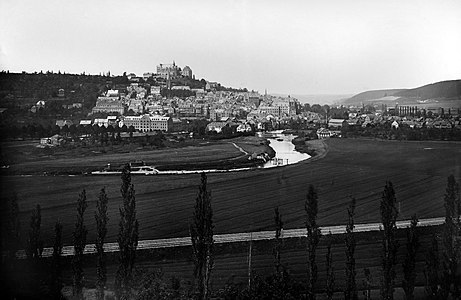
<point>235,237</point>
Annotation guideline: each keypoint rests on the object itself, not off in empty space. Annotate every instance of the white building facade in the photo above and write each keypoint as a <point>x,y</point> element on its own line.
<point>146,123</point>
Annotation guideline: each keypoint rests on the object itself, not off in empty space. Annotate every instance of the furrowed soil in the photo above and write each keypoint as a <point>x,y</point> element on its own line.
<point>244,201</point>
<point>231,262</point>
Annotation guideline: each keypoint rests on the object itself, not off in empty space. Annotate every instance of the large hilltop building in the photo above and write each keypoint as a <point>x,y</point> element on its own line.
<point>187,72</point>
<point>168,71</point>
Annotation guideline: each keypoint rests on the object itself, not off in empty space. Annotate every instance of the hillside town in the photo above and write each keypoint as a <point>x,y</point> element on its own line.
<point>170,99</point>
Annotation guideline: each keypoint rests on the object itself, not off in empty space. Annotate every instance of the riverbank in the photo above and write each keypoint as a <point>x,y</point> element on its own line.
<point>26,159</point>
<point>315,148</point>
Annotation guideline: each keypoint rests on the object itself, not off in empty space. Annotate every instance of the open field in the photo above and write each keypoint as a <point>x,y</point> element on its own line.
<point>244,201</point>
<point>25,158</point>
<point>231,261</point>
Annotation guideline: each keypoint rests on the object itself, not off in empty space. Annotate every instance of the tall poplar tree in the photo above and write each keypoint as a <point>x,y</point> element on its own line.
<point>351,287</point>
<point>56,275</point>
<point>451,244</point>
<point>201,231</point>
<point>389,215</point>
<point>10,244</point>
<point>34,250</point>
<point>34,247</point>
<point>101,228</point>
<point>127,237</point>
<point>409,273</point>
<point>330,284</point>
<point>431,270</point>
<point>278,243</point>
<point>79,235</point>
<point>313,239</point>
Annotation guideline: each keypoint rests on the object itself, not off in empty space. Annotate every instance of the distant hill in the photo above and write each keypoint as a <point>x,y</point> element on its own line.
<point>370,96</point>
<point>317,98</point>
<point>443,90</point>
<point>322,98</point>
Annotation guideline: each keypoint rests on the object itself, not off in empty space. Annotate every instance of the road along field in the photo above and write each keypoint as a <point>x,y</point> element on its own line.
<point>244,201</point>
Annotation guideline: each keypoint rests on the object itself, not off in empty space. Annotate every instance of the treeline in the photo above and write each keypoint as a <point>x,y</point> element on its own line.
<point>404,132</point>
<point>85,135</point>
<point>42,279</point>
<point>45,86</point>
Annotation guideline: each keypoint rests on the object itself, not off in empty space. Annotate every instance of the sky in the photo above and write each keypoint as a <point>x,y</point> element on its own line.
<point>287,47</point>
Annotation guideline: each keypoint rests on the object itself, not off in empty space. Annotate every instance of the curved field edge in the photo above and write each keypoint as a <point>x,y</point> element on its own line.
<point>26,158</point>
<point>244,201</point>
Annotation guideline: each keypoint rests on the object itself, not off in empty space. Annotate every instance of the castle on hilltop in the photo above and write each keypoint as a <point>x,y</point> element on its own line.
<point>170,71</point>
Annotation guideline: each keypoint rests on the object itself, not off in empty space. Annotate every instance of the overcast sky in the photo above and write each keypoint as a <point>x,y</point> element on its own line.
<point>295,47</point>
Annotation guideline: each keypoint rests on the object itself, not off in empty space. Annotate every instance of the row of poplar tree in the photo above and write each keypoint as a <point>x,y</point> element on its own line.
<point>32,278</point>
<point>277,286</point>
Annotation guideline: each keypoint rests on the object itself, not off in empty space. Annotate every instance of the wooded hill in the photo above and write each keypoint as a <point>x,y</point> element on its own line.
<point>449,90</point>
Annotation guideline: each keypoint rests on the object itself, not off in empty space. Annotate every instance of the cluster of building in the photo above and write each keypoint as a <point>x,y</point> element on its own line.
<point>142,105</point>
<point>148,111</point>
<point>405,116</point>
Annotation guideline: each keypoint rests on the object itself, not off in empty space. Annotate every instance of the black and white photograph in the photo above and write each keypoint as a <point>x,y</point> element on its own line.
<point>230,149</point>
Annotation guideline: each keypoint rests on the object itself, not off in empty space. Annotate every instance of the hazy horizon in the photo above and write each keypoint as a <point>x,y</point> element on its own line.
<point>294,47</point>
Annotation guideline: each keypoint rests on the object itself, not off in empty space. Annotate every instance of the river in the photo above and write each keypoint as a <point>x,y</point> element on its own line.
<point>285,153</point>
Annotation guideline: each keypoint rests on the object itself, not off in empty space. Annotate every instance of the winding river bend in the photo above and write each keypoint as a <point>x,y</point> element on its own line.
<point>285,154</point>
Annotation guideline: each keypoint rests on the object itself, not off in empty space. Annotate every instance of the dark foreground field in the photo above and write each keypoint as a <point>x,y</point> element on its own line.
<point>245,201</point>
<point>231,262</point>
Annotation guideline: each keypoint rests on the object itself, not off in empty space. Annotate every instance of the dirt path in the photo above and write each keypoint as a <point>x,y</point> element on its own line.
<point>238,237</point>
